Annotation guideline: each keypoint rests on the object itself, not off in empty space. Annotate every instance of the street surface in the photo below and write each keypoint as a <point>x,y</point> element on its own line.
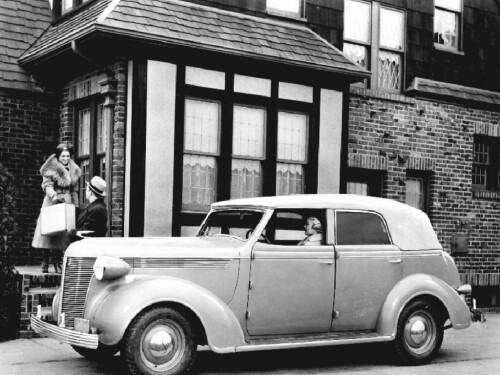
<point>475,350</point>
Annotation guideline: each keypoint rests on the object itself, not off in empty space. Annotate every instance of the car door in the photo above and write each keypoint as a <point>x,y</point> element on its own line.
<point>368,267</point>
<point>291,288</point>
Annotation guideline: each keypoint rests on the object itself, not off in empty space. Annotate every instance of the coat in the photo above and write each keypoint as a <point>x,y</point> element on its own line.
<point>312,240</point>
<point>94,217</point>
<point>63,182</point>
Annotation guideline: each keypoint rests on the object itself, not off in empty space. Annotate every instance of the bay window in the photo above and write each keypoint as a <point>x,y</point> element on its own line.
<point>242,141</point>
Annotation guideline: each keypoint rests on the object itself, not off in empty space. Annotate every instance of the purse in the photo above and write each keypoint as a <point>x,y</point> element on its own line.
<point>57,219</point>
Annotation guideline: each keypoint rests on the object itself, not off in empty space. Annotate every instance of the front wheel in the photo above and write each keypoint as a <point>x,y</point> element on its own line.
<point>419,333</point>
<point>159,341</point>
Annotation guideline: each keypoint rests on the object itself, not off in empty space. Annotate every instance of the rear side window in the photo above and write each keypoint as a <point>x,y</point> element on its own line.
<point>361,228</point>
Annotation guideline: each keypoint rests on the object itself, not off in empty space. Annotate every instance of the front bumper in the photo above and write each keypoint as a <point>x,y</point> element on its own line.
<point>68,336</point>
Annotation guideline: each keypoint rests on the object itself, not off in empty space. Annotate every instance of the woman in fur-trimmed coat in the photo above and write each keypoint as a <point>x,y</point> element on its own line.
<point>60,177</point>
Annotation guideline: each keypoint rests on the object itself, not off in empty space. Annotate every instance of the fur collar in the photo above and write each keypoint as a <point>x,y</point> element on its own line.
<point>53,169</point>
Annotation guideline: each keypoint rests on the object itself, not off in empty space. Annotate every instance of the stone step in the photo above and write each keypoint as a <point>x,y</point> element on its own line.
<point>34,278</point>
<point>38,289</point>
<point>29,302</point>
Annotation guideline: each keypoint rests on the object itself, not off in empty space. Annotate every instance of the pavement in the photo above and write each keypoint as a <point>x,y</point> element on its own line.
<point>475,350</point>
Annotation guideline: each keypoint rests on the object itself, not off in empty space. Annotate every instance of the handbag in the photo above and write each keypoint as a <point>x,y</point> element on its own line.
<point>57,219</point>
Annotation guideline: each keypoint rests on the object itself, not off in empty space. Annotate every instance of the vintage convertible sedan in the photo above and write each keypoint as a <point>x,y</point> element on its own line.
<point>252,279</point>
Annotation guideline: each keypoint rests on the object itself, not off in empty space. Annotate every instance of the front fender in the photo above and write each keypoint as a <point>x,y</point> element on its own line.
<point>122,302</point>
<point>421,285</point>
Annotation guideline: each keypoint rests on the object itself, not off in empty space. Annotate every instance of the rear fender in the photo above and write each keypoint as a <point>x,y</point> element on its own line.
<point>421,285</point>
<point>122,302</point>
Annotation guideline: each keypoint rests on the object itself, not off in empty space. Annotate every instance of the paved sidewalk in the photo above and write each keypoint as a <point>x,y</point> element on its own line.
<point>475,350</point>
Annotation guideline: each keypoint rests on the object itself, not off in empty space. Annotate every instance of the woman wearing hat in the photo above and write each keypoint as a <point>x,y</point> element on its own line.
<point>60,177</point>
<point>93,219</point>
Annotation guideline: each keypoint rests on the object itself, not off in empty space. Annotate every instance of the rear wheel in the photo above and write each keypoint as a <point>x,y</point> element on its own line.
<point>159,341</point>
<point>419,333</point>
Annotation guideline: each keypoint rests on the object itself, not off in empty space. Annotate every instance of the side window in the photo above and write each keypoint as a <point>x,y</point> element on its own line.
<point>361,228</point>
<point>288,227</point>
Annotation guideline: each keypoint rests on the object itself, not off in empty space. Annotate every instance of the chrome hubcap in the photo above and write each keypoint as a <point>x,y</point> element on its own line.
<point>420,332</point>
<point>162,346</point>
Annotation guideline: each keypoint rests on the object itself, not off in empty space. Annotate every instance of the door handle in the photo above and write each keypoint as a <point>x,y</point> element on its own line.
<point>327,262</point>
<point>396,261</point>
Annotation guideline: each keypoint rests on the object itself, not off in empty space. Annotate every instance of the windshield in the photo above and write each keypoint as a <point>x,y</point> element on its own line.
<point>239,224</point>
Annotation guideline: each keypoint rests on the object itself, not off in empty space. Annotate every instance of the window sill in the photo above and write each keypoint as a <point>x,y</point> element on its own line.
<point>440,47</point>
<point>486,194</point>
<point>379,94</point>
<point>291,17</point>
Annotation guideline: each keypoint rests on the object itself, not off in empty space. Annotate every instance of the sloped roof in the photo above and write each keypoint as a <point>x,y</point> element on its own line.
<point>452,92</point>
<point>186,24</point>
<point>21,23</point>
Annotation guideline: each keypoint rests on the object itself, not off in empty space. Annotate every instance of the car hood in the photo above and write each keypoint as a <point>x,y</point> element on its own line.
<point>171,247</point>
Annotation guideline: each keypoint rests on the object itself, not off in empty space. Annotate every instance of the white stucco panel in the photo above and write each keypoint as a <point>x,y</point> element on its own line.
<point>330,141</point>
<point>160,136</point>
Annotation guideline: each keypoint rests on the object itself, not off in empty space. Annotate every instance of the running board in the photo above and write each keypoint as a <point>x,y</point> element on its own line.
<point>312,341</point>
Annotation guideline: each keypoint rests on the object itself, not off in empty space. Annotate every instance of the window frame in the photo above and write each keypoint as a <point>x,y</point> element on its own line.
<point>374,47</point>
<point>57,9</point>
<point>388,233</point>
<point>321,213</point>
<point>374,178</point>
<point>229,98</point>
<point>460,22</point>
<point>283,13</point>
<point>493,165</point>
<point>425,176</point>
<point>93,156</point>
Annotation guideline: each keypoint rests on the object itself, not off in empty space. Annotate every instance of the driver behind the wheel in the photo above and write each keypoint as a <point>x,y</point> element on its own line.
<point>313,231</point>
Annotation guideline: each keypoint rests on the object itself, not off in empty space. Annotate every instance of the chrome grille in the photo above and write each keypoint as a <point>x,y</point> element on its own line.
<point>77,275</point>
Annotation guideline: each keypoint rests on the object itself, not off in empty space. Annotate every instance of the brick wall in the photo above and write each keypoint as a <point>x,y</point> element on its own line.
<point>397,133</point>
<point>82,88</point>
<point>28,131</point>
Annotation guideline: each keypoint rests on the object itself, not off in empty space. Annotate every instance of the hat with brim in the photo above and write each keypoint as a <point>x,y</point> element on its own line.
<point>98,186</point>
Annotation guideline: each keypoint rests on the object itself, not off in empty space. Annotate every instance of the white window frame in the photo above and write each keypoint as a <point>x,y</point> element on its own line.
<point>460,13</point>
<point>374,47</point>
<point>278,11</point>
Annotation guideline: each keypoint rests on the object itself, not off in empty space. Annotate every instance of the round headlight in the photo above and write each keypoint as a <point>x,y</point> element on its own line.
<point>98,271</point>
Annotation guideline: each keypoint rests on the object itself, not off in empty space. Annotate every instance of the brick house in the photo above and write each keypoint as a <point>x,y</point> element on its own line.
<point>181,103</point>
<point>29,115</point>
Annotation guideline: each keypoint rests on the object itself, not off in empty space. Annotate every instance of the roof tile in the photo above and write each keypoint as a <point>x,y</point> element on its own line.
<point>21,22</point>
<point>181,23</point>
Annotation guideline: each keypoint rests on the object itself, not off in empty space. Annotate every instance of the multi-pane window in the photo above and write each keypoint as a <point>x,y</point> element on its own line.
<point>362,181</point>
<point>242,137</point>
<point>374,37</point>
<point>415,192</point>
<point>91,142</point>
<point>357,188</point>
<point>417,189</point>
<point>201,149</point>
<point>486,163</point>
<point>447,19</point>
<point>291,8</point>
<point>67,5</point>
<point>248,151</point>
<point>357,32</point>
<point>292,153</point>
